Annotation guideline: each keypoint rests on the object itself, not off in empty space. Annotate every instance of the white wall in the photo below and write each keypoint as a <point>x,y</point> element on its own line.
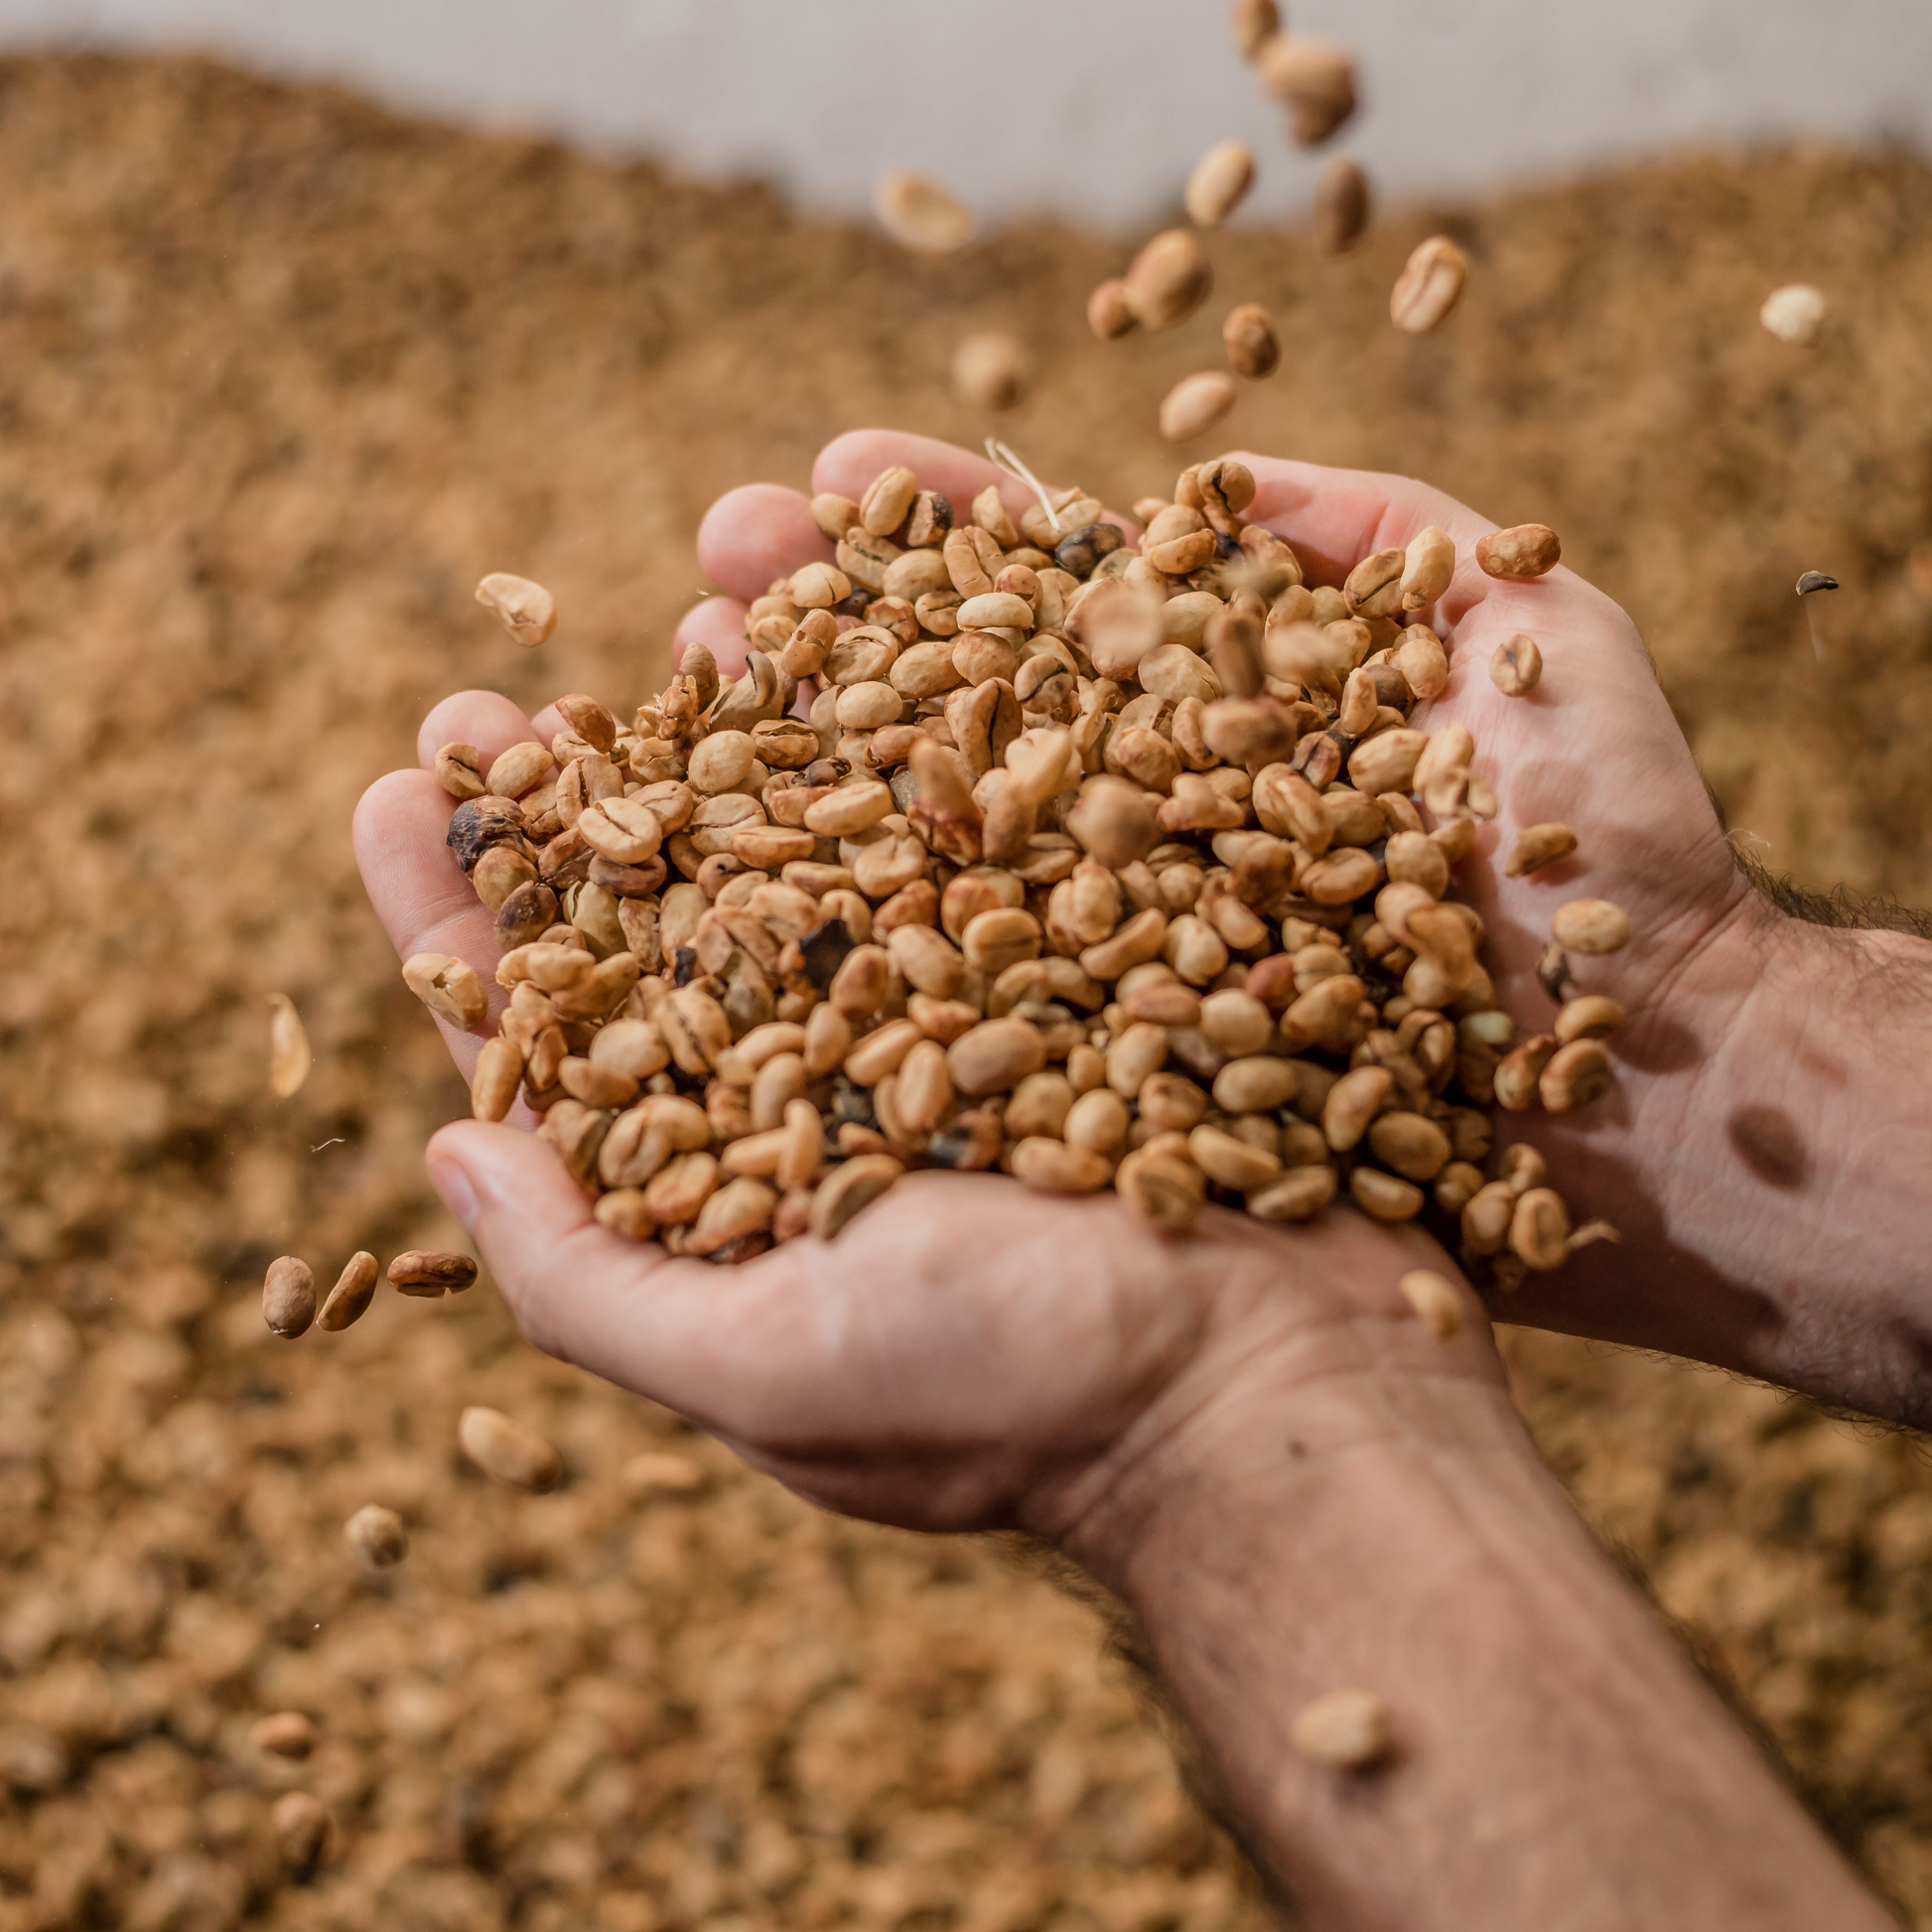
<point>1090,109</point>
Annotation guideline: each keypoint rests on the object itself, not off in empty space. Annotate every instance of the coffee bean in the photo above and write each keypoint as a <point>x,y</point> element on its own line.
<point>504,1448</point>
<point>377,1536</point>
<point>1430,286</point>
<point>1348,1730</point>
<point>921,215</point>
<point>289,1297</point>
<point>526,611</point>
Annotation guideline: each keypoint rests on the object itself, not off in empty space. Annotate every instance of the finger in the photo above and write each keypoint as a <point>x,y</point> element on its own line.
<point>1333,518</point>
<point>849,462</point>
<point>485,719</point>
<point>755,533</point>
<point>419,891</point>
<point>718,624</point>
<point>674,1330</point>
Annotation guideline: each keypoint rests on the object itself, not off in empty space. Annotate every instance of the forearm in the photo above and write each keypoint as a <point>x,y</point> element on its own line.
<point>1556,1760</point>
<point>1772,1178</point>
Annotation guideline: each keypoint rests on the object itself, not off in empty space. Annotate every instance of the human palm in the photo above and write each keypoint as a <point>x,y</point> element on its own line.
<point>1595,746</point>
<point>967,1353</point>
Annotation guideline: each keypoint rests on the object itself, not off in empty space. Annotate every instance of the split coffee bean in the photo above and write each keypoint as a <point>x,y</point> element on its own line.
<point>525,609</point>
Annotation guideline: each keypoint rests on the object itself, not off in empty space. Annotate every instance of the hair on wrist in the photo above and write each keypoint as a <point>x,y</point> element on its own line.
<point>1840,910</point>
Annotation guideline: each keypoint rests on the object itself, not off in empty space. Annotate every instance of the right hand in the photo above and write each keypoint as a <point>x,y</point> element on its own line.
<point>1596,746</point>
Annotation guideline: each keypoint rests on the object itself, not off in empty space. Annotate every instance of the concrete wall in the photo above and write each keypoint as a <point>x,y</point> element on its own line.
<point>1091,110</point>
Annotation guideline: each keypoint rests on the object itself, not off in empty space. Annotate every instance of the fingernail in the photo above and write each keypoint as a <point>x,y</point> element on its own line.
<point>450,1180</point>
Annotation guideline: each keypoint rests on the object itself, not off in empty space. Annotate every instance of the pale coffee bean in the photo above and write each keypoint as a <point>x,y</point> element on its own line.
<point>377,1536</point>
<point>505,1448</point>
<point>1430,286</point>
<point>1168,280</point>
<point>1517,666</point>
<point>1794,313</point>
<point>289,1059</point>
<point>526,611</point>
<point>1436,1302</point>
<point>1248,336</point>
<point>1342,207</point>
<point>1218,181</point>
<point>1590,925</point>
<point>917,212</point>
<point>431,1271</point>
<point>992,371</point>
<point>1348,1730</point>
<point>1194,404</point>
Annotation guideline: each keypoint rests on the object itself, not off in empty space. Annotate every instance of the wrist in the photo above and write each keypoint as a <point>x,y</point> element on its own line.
<point>1332,1512</point>
<point>1768,1170</point>
<point>1296,1385</point>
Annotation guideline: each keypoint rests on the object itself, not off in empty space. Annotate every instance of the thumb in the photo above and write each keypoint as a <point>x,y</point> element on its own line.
<point>619,1307</point>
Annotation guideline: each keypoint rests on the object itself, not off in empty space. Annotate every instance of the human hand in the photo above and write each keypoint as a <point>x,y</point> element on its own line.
<point>1242,1431</point>
<point>1763,1150</point>
<point>967,1353</point>
<point>1593,745</point>
<point>1765,1225</point>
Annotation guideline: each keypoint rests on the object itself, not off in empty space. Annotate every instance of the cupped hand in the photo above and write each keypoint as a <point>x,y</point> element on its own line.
<point>1593,745</point>
<point>966,1348</point>
<point>966,1353</point>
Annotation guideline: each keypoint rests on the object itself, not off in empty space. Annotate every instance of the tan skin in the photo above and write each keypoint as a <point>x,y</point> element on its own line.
<point>1245,1432</point>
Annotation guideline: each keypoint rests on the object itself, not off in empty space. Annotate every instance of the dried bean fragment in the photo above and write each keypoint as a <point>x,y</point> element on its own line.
<point>1537,846</point>
<point>1528,550</point>
<point>1253,24</point>
<point>991,370</point>
<point>429,1271</point>
<point>1342,207</point>
<point>1435,1301</point>
<point>1794,313</point>
<point>1168,280</point>
<point>1346,1728</point>
<point>1195,403</point>
<point>288,1047</point>
<point>350,1299</point>
<point>853,1185</point>
<point>1110,311</point>
<point>1248,336</point>
<point>505,1448</point>
<point>459,770</point>
<point>1517,666</point>
<point>289,1297</point>
<point>1218,181</point>
<point>1165,1192</point>
<point>1575,1075</point>
<point>1592,926</point>
<point>377,1536</point>
<point>1430,286</point>
<point>1594,1015</point>
<point>526,611</point>
<point>300,1825</point>
<point>284,1734</point>
<point>1314,78</point>
<point>920,214</point>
